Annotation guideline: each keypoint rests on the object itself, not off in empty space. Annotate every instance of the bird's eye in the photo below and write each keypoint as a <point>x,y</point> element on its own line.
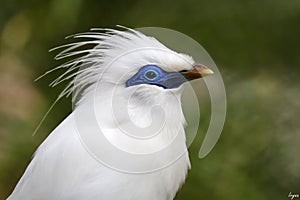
<point>151,75</point>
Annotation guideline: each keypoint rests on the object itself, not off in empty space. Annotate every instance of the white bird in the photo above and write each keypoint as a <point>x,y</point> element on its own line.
<point>128,90</point>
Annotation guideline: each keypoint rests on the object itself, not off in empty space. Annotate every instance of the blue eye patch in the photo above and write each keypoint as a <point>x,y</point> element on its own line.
<point>154,75</point>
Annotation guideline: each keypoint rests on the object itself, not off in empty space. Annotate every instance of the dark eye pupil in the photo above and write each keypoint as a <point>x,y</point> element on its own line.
<point>150,74</point>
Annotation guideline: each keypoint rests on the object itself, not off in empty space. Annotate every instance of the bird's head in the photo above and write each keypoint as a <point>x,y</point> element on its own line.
<point>128,63</point>
<point>130,60</point>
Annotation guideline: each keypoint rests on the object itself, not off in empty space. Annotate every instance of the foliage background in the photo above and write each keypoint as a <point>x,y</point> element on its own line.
<point>256,45</point>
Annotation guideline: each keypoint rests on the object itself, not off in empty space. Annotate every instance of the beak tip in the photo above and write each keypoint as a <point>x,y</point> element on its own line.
<point>206,72</point>
<point>203,70</point>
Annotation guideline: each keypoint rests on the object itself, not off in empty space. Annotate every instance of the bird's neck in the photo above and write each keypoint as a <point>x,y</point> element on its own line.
<point>140,120</point>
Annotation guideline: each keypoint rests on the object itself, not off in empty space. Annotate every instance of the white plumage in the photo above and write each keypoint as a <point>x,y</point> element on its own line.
<point>63,168</point>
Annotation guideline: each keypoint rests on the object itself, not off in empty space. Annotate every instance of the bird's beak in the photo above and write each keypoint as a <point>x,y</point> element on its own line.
<point>198,71</point>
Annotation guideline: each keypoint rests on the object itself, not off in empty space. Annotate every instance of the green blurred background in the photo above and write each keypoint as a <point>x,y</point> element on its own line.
<point>255,44</point>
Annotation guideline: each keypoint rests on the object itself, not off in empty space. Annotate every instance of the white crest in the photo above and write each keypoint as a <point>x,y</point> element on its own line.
<point>85,69</point>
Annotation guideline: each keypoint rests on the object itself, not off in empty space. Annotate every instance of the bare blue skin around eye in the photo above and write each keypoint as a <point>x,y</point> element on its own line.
<point>166,80</point>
